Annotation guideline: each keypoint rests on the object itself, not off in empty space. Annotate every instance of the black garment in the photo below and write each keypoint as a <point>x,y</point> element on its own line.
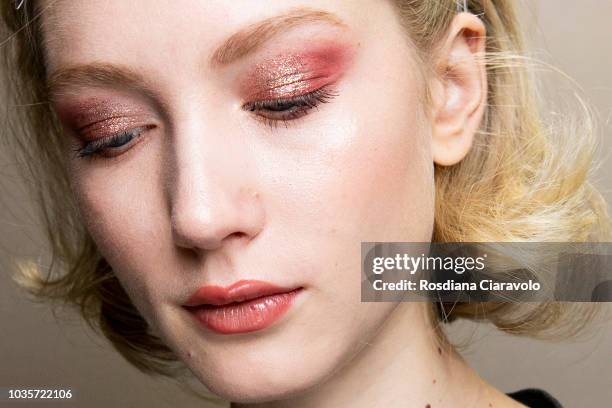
<point>535,398</point>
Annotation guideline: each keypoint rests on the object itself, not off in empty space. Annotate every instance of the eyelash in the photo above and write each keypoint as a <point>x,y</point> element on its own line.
<point>283,110</point>
<point>279,110</point>
<point>116,141</point>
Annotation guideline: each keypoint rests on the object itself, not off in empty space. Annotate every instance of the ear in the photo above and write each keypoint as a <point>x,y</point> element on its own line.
<point>459,90</point>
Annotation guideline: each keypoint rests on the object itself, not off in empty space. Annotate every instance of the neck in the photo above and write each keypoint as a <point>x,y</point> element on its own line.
<point>404,364</point>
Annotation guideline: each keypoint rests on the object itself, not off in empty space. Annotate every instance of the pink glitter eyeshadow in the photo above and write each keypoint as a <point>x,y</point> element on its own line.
<point>95,118</point>
<point>293,74</point>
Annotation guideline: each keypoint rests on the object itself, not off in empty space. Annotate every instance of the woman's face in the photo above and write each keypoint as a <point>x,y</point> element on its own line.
<point>214,142</point>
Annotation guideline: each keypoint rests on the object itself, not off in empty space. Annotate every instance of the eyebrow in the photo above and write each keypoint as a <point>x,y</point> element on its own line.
<point>251,38</point>
<point>95,74</point>
<point>240,44</point>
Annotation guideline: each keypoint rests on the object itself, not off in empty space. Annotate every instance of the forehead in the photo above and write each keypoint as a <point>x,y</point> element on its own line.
<point>140,32</point>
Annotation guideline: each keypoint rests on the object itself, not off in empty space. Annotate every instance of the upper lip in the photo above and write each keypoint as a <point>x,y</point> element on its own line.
<point>236,292</point>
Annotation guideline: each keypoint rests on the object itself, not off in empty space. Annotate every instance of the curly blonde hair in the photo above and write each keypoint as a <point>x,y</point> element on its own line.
<point>522,181</point>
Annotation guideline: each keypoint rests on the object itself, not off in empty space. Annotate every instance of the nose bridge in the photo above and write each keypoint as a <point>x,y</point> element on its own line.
<point>210,199</point>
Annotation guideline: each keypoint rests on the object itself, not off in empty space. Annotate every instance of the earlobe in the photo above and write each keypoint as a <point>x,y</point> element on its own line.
<point>459,91</point>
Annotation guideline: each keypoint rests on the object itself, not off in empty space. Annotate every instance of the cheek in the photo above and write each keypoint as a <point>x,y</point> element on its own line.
<point>123,211</point>
<point>371,177</point>
<point>388,194</point>
<point>390,184</point>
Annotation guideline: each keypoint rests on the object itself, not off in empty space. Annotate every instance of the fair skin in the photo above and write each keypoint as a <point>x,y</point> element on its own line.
<point>210,192</point>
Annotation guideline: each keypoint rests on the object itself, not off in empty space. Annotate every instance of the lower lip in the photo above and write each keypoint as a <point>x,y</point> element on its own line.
<point>248,316</point>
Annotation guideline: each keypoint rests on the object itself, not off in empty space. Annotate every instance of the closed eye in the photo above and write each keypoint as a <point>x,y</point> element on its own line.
<point>274,111</point>
<point>112,145</point>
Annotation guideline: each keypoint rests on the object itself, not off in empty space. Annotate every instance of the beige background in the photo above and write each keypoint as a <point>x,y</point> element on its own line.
<point>36,350</point>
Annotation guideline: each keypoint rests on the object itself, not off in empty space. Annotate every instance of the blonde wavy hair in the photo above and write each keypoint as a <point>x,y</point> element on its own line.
<point>523,180</point>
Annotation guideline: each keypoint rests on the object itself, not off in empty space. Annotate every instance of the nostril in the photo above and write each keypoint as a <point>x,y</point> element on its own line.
<point>238,235</point>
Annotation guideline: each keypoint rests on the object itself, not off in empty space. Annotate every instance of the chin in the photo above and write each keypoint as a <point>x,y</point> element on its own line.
<point>259,367</point>
<point>278,362</point>
<point>251,380</point>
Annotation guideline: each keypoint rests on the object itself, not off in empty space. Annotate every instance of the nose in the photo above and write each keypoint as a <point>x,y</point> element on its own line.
<point>212,198</point>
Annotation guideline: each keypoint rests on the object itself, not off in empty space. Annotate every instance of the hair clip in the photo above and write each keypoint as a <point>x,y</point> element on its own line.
<point>19,4</point>
<point>462,6</point>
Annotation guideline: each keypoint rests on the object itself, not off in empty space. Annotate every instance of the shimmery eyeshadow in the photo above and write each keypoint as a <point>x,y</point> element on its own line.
<point>109,127</point>
<point>291,74</point>
<point>94,118</point>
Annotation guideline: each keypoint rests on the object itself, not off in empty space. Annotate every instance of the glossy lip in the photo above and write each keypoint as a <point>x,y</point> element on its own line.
<point>244,306</point>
